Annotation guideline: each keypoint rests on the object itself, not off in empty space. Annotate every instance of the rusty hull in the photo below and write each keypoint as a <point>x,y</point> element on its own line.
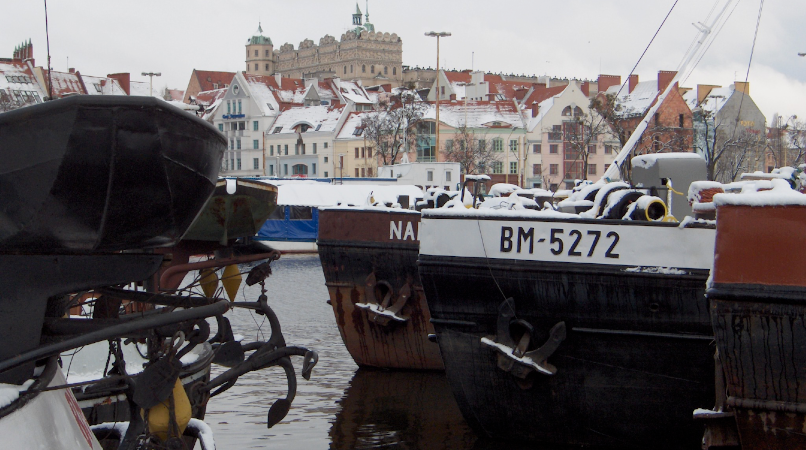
<point>758,311</point>
<point>369,258</point>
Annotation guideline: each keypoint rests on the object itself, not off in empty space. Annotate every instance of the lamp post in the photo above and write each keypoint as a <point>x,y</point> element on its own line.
<point>151,76</point>
<point>437,35</point>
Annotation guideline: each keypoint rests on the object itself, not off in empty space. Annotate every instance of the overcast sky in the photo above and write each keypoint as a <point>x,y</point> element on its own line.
<point>575,38</point>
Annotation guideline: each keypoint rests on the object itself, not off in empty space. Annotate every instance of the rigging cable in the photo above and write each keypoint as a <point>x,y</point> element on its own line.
<point>747,74</point>
<point>47,37</point>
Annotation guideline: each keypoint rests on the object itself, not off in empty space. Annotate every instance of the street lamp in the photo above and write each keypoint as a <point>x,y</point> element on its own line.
<point>151,76</point>
<point>437,35</point>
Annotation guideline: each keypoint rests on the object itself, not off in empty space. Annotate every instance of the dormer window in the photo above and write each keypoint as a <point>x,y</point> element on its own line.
<point>235,89</point>
<point>303,128</point>
<point>215,85</point>
<point>318,127</point>
<point>358,131</point>
<point>277,130</point>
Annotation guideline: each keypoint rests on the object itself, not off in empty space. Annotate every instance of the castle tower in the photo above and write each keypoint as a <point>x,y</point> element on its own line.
<point>357,16</point>
<point>260,54</point>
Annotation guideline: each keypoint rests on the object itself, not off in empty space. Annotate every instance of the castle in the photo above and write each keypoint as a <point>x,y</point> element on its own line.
<point>361,54</point>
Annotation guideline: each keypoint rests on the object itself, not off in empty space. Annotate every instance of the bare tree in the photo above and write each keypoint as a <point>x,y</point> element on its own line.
<point>473,153</point>
<point>390,127</point>
<point>728,151</point>
<point>584,132</point>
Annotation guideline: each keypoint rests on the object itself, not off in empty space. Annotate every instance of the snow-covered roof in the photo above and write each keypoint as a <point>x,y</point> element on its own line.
<point>351,91</point>
<point>272,97</point>
<point>64,83</point>
<point>144,89</point>
<point>353,121</point>
<point>715,100</point>
<point>102,85</point>
<point>323,119</point>
<point>637,102</point>
<point>477,114</point>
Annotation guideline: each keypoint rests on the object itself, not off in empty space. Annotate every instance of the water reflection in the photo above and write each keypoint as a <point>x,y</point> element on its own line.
<point>394,409</point>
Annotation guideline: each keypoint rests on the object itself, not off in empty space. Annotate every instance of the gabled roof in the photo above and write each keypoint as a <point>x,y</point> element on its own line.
<point>102,86</point>
<point>350,91</point>
<point>637,102</point>
<point>207,98</point>
<point>64,83</point>
<point>143,89</point>
<point>18,76</point>
<point>715,100</point>
<point>477,114</point>
<point>273,97</point>
<point>322,119</point>
<point>348,130</point>
<point>207,78</point>
<point>541,93</point>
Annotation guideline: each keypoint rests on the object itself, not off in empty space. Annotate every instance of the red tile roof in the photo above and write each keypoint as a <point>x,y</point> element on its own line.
<point>208,78</point>
<point>541,93</point>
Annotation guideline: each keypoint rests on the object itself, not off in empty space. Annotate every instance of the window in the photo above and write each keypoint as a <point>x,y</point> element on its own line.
<point>325,145</point>
<point>256,163</point>
<point>255,52</point>
<point>429,175</point>
<point>536,148</point>
<point>369,171</point>
<point>363,152</point>
<point>271,170</point>
<point>655,143</point>
<point>266,52</point>
<point>271,150</point>
<point>513,167</point>
<point>233,126</point>
<point>255,66</point>
<point>554,169</point>
<point>277,130</point>
<point>372,69</point>
<point>231,144</point>
<point>449,145</point>
<point>554,148</point>
<point>314,151</point>
<point>363,70</point>
<point>591,149</point>
<point>299,169</point>
<point>447,176</point>
<point>220,127</point>
<point>394,70</point>
<point>325,158</point>
<point>239,163</point>
<point>296,149</point>
<point>513,145</point>
<point>229,107</point>
<point>240,111</point>
<point>238,143</point>
<point>267,68</point>
<point>442,90</point>
<point>363,173</point>
<point>608,149</point>
<point>369,152</point>
<point>286,149</point>
<point>657,119</point>
<point>325,174</point>
<point>537,169</point>
<point>356,172</point>
<point>386,71</point>
<point>607,166</point>
<point>482,145</point>
<point>255,144</point>
<point>553,187</point>
<point>498,167</point>
<point>556,133</point>
<point>498,145</point>
<point>682,120</point>
<point>356,152</point>
<point>254,125</point>
<point>345,70</point>
<point>285,169</point>
<point>351,68</point>
<point>591,169</point>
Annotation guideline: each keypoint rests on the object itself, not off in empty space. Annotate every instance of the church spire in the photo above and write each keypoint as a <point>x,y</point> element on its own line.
<point>357,16</point>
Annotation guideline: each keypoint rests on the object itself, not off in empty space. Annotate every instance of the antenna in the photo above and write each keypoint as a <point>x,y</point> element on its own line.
<point>47,39</point>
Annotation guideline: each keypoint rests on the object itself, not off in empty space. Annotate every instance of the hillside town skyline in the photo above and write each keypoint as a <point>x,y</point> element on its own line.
<point>777,78</point>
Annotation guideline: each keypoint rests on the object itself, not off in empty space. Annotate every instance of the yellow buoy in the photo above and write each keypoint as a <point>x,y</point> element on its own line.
<point>231,280</point>
<point>159,417</point>
<point>208,281</point>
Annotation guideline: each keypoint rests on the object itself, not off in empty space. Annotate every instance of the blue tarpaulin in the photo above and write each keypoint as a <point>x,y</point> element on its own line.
<point>291,223</point>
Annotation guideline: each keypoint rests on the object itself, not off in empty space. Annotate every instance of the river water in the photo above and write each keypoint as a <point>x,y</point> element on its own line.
<point>342,406</point>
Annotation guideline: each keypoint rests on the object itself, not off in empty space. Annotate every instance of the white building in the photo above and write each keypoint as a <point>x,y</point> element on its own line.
<point>444,175</point>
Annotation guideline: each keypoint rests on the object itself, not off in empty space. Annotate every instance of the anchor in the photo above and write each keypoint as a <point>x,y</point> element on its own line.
<point>513,357</point>
<point>382,312</point>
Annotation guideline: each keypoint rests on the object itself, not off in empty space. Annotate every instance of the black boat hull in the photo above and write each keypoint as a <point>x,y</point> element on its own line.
<point>103,173</point>
<point>635,362</point>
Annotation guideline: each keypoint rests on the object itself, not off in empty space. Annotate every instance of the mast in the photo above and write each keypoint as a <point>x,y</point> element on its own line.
<point>694,54</point>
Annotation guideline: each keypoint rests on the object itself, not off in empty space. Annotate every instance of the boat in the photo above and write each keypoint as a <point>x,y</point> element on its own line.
<point>758,313</point>
<point>95,189</point>
<point>584,324</point>
<point>369,256</point>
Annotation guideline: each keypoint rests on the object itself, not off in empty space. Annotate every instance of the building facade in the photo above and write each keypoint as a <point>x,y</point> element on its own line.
<point>373,57</point>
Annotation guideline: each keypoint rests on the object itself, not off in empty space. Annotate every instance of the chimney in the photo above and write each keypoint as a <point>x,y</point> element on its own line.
<point>703,90</point>
<point>585,88</point>
<point>633,82</point>
<point>278,77</point>
<point>664,78</point>
<point>124,80</point>
<point>535,109</point>
<point>605,81</point>
<point>742,86</point>
<point>72,70</point>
